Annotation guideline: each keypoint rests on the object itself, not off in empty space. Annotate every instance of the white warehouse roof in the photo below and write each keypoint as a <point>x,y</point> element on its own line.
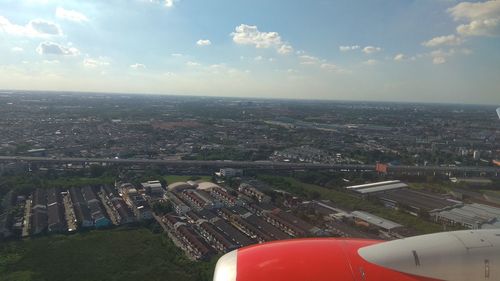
<point>375,220</point>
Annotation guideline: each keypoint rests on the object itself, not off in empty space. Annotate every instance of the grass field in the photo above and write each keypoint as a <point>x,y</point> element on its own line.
<point>121,254</point>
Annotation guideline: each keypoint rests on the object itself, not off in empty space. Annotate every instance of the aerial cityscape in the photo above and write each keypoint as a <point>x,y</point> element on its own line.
<point>260,140</point>
<point>217,174</point>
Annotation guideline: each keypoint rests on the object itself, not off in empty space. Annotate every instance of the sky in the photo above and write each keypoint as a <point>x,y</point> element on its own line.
<point>377,50</point>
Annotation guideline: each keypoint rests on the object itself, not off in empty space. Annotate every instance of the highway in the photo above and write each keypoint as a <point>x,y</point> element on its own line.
<point>252,164</point>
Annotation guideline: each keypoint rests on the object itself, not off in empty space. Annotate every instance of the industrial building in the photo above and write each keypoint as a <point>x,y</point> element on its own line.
<point>153,188</point>
<point>473,216</point>
<point>372,188</point>
<point>416,202</point>
<point>371,220</point>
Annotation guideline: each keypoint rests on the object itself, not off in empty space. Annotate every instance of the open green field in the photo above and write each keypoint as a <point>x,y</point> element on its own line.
<point>349,202</point>
<point>121,254</point>
<point>175,178</point>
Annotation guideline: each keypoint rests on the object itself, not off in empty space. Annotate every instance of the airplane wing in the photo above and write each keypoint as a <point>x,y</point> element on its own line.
<point>455,256</point>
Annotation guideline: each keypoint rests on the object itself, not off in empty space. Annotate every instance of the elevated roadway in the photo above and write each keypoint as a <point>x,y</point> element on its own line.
<point>254,164</point>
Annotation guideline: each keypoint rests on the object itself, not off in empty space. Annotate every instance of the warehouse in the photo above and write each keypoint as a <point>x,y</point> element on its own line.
<point>472,216</point>
<point>375,221</point>
<point>416,202</point>
<point>377,187</point>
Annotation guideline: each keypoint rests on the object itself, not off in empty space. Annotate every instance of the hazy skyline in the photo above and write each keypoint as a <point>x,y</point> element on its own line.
<point>421,50</point>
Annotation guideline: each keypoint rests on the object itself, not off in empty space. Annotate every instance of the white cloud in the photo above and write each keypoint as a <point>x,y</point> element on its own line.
<point>370,62</point>
<point>483,18</point>
<point>438,60</point>
<point>35,28</point>
<point>309,60</point>
<point>70,15</point>
<point>137,66</point>
<point>349,48</point>
<point>45,27</point>
<point>450,40</point>
<point>329,66</point>
<point>192,63</point>
<point>176,55</point>
<point>50,61</point>
<point>399,57</point>
<point>285,49</point>
<point>51,48</point>
<point>485,27</point>
<point>371,49</point>
<point>166,3</point>
<point>93,63</point>
<point>250,35</point>
<point>441,56</point>
<point>203,42</point>
<point>17,49</point>
<point>472,11</point>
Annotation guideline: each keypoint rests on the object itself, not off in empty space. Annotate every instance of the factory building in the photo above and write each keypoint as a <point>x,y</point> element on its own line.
<point>473,216</point>
<point>372,188</point>
<point>153,188</point>
<point>416,202</point>
<point>370,220</point>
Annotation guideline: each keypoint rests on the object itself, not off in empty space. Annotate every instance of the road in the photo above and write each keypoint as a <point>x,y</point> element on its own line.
<point>253,164</point>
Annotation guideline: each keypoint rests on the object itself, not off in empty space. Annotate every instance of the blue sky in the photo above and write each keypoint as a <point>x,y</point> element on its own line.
<point>391,50</point>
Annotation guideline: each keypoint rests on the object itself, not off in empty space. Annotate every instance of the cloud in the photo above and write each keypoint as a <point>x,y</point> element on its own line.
<point>441,56</point>
<point>349,48</point>
<point>371,49</point>
<point>51,48</point>
<point>192,63</point>
<point>35,28</point>
<point>166,3</point>
<point>203,42</point>
<point>308,60</point>
<point>250,35</point>
<point>370,62</point>
<point>450,40</point>
<point>70,15</point>
<point>329,66</point>
<point>177,55</point>
<point>482,18</point>
<point>93,63</point>
<point>487,27</point>
<point>399,57</point>
<point>438,60</point>
<point>17,49</point>
<point>45,27</point>
<point>285,49</point>
<point>137,66</point>
<point>50,61</point>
